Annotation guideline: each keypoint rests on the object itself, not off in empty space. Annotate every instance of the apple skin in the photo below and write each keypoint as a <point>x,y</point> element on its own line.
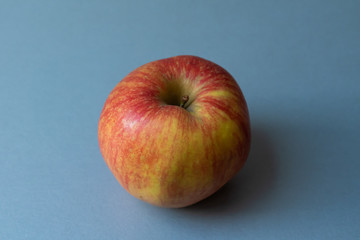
<point>172,156</point>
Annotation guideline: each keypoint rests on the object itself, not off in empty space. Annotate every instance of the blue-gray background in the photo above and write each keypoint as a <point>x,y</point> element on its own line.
<point>297,62</point>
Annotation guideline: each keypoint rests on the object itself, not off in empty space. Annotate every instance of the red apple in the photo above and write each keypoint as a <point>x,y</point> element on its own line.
<point>175,130</point>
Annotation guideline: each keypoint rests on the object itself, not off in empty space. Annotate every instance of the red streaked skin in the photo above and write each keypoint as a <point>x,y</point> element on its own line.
<point>173,156</point>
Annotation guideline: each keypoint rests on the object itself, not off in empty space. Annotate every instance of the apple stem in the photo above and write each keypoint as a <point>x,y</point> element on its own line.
<point>184,100</point>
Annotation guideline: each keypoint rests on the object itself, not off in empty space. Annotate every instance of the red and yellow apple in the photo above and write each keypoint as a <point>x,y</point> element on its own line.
<point>175,130</point>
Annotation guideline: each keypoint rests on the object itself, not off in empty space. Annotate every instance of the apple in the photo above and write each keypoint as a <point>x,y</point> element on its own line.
<point>174,131</point>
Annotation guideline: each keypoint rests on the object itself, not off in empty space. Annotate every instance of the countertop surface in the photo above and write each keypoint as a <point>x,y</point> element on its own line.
<point>297,63</point>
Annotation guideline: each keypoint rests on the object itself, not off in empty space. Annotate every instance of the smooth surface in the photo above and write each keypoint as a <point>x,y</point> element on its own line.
<point>297,62</point>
